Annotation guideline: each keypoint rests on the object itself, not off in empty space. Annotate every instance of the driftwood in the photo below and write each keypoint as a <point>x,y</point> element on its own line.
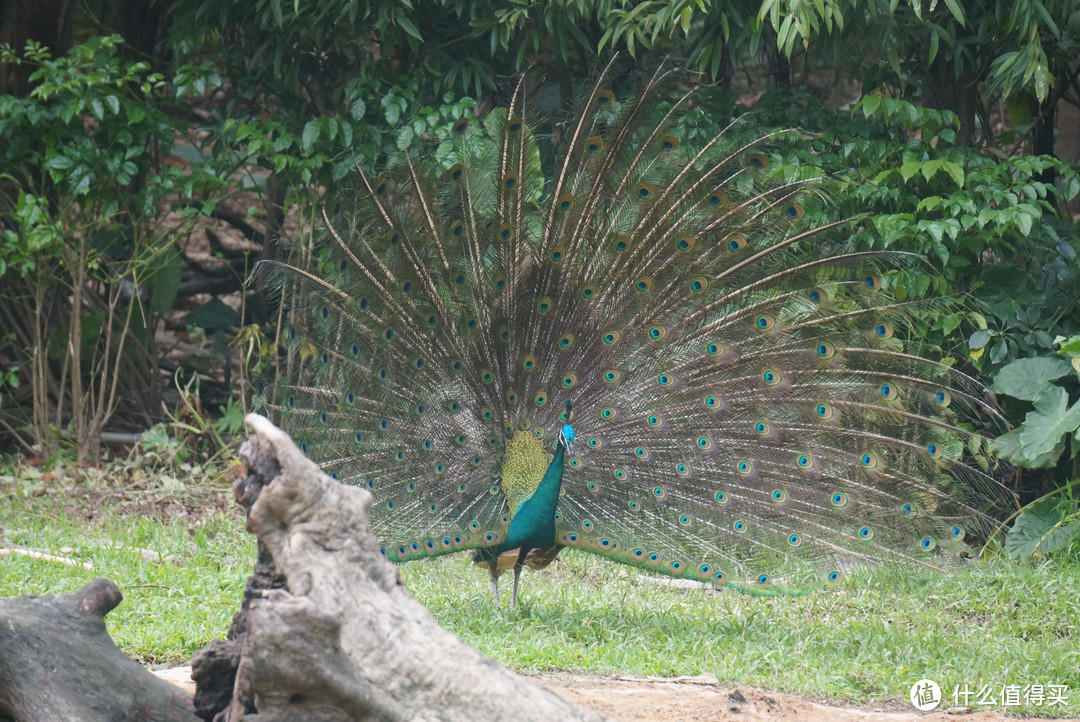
<point>327,631</point>
<point>57,662</point>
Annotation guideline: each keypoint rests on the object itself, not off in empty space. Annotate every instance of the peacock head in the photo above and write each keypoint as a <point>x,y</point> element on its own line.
<point>566,436</point>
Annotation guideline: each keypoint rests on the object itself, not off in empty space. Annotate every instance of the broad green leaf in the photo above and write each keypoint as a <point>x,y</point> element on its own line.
<point>1028,378</point>
<point>1052,418</point>
<point>1040,529</point>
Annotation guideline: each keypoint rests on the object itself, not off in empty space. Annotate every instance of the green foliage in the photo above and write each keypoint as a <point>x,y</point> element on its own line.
<point>83,209</point>
<point>1041,439</point>
<point>1047,526</point>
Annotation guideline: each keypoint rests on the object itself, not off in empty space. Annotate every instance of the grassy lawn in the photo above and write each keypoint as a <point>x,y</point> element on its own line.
<point>867,639</point>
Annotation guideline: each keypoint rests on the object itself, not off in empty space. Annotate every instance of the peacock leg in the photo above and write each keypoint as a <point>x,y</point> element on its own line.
<point>518,566</point>
<point>493,570</point>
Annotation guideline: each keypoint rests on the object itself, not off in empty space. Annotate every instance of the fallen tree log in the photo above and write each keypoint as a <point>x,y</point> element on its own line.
<point>57,663</point>
<point>327,631</point>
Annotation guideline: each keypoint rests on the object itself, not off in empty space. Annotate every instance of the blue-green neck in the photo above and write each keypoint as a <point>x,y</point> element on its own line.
<point>534,523</point>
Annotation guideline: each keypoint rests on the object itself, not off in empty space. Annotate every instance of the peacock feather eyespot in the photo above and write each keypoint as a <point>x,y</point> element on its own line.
<point>388,334</point>
<point>957,532</point>
<point>406,287</point>
<point>659,492</point>
<point>460,439</point>
<point>558,253</point>
<point>528,362</point>
<point>566,341</point>
<point>757,161</point>
<point>927,544</point>
<point>644,190</point>
<point>942,397</point>
<point>325,358</point>
<point>714,348</point>
<point>684,243</point>
<point>633,506</point>
<point>818,295</point>
<point>717,199</point>
<point>641,452</point>
<point>383,425</point>
<point>866,533</point>
<point>564,202</point>
<point>638,553</point>
<point>588,291</point>
<point>350,398</point>
<point>574,463</point>
<point>370,483</point>
<point>472,323</point>
<point>910,510</point>
<point>704,442</point>
<point>872,282</point>
<point>825,350</point>
<point>380,189</point>
<point>438,469</point>
<point>765,322</point>
<point>586,525</point>
<point>569,381</point>
<point>676,567</point>
<point>711,402</point>
<point>292,333</point>
<point>506,232</point>
<point>393,237</point>
<point>511,397</point>
<point>457,229</point>
<point>739,526</point>
<point>933,449</point>
<point>362,302</point>
<point>889,391</point>
<point>793,211</point>
<point>610,337</point>
<point>654,558</point>
<point>607,413</point>
<point>604,97</point>
<point>487,376</point>
<point>290,401</point>
<point>685,520</point>
<point>541,398</point>
<point>504,519</point>
<point>869,460</point>
<point>720,577</point>
<point>779,496</point>
<point>594,443</point>
<point>492,440</point>
<point>824,411</point>
<point>699,284</point>
<point>456,171</point>
<point>594,145</point>
<point>656,333</point>
<point>643,284</point>
<point>669,143</point>
<point>806,461</point>
<point>833,577</point>
<point>456,366</point>
<point>515,124</point>
<point>343,265</point>
<point>420,409</point>
<point>358,437</point>
<point>794,540</point>
<point>771,377</point>
<point>487,414</point>
<point>303,448</point>
<point>504,334</point>
<point>509,180</point>
<point>762,428</point>
<point>682,470</point>
<point>324,313</point>
<point>721,497</point>
<point>735,243</point>
<point>619,474</point>
<point>621,244</point>
<point>665,379</point>
<point>390,505</point>
<point>762,579</point>
<point>653,420</point>
<point>839,500</point>
<point>884,330</point>
<point>543,305</point>
<point>460,126</point>
<point>745,467</point>
<point>334,476</point>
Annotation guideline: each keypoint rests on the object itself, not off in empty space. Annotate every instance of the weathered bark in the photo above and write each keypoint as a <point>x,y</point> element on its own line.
<point>57,662</point>
<point>327,631</point>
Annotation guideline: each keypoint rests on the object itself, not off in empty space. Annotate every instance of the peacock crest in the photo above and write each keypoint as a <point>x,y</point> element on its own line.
<point>641,349</point>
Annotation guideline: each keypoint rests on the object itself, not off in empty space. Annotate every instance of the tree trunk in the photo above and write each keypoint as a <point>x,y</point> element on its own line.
<point>57,663</point>
<point>327,631</point>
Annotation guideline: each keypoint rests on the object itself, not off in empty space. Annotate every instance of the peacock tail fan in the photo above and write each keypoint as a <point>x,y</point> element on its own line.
<point>741,395</point>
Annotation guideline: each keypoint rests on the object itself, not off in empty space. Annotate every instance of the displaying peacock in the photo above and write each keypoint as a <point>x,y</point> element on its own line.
<point>643,352</point>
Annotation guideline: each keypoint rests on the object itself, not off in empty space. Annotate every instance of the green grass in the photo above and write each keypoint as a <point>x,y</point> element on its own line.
<point>865,640</point>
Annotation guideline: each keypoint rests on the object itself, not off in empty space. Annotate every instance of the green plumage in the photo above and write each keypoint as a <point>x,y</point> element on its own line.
<point>739,393</point>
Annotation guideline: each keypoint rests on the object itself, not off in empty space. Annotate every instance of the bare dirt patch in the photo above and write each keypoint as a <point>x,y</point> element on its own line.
<point>699,699</point>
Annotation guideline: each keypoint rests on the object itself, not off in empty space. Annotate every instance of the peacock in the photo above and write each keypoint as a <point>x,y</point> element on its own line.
<point>603,334</point>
